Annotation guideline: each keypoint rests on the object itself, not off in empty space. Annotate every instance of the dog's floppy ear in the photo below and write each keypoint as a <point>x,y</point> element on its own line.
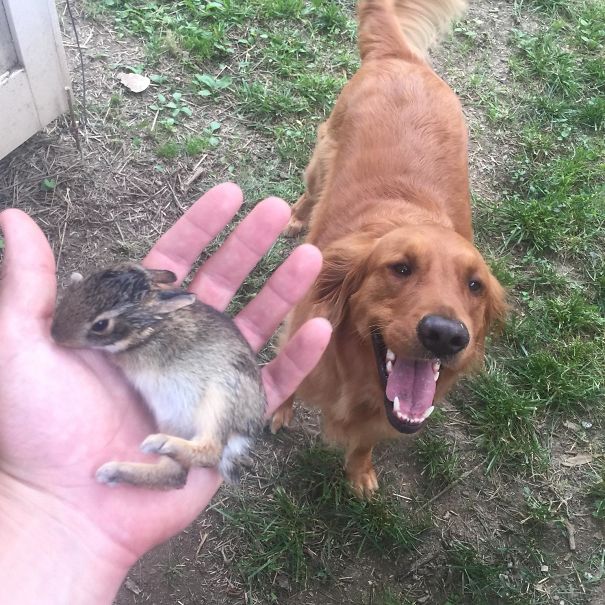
<point>343,270</point>
<point>497,305</point>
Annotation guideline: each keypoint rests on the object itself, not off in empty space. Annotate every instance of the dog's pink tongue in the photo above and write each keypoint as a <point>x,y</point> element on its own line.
<point>414,383</point>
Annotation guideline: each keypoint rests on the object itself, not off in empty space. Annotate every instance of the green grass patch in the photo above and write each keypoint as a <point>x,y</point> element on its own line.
<point>477,580</point>
<point>598,493</point>
<point>440,459</point>
<point>550,225</point>
<point>309,520</point>
<point>278,63</point>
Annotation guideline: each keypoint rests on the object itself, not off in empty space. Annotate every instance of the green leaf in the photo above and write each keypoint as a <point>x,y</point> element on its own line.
<point>214,126</point>
<point>224,82</point>
<point>206,79</point>
<point>157,79</point>
<point>48,184</point>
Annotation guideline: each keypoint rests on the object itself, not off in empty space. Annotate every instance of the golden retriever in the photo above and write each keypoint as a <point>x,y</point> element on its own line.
<point>387,201</point>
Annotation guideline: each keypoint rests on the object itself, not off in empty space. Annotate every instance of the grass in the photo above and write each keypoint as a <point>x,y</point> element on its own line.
<point>477,580</point>
<point>309,521</point>
<point>440,459</point>
<point>550,220</point>
<point>597,493</point>
<point>286,59</point>
<point>274,67</point>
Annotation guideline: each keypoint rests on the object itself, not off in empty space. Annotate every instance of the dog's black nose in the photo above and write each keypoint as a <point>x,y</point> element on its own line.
<point>441,335</point>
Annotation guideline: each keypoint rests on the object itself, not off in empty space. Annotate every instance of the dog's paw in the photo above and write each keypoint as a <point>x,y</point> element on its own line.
<point>158,443</point>
<point>293,228</point>
<point>363,483</point>
<point>109,474</point>
<point>282,418</point>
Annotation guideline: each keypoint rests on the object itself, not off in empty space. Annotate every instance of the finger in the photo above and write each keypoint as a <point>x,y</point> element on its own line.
<point>290,282</point>
<point>28,284</point>
<point>180,246</point>
<point>283,375</point>
<point>223,273</point>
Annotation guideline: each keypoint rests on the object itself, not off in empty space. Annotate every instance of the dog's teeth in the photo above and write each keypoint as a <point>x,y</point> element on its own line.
<point>428,412</point>
<point>390,355</point>
<point>389,367</point>
<point>436,376</point>
<point>396,405</point>
<point>436,365</point>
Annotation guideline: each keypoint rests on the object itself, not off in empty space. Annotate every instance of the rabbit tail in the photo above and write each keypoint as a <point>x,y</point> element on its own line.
<point>235,458</point>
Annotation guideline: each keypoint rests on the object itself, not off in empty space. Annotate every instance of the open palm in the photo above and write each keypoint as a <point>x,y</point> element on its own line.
<point>63,413</point>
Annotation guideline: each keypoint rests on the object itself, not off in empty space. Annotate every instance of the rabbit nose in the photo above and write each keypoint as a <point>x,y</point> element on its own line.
<point>441,335</point>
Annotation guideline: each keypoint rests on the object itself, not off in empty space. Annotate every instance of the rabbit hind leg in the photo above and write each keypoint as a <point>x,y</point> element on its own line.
<point>210,431</point>
<point>166,473</point>
<point>199,451</point>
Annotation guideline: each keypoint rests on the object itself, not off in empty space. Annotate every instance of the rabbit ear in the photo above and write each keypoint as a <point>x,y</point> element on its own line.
<point>167,301</point>
<point>161,276</point>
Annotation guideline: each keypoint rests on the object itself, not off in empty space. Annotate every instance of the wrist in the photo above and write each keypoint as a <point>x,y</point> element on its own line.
<point>52,554</point>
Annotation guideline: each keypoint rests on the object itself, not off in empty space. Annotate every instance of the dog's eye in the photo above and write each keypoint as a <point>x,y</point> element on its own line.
<point>401,269</point>
<point>100,326</point>
<point>475,285</point>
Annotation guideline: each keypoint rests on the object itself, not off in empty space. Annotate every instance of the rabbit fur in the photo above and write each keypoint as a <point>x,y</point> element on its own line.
<point>191,365</point>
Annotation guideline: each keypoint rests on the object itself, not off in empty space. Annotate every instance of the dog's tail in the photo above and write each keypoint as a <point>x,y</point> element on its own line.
<point>404,28</point>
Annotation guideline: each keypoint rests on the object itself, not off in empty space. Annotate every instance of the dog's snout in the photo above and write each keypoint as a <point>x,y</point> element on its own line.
<point>442,336</point>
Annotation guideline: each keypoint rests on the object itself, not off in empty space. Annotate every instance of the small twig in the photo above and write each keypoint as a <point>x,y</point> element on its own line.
<point>420,563</point>
<point>83,73</point>
<point>203,539</point>
<point>571,534</point>
<point>73,124</point>
<point>176,199</point>
<point>198,170</point>
<point>155,119</point>
<point>450,486</point>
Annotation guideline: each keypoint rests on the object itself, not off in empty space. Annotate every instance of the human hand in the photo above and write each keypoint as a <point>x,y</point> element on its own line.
<point>63,413</point>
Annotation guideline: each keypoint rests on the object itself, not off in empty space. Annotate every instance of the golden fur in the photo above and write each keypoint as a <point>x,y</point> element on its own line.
<point>388,185</point>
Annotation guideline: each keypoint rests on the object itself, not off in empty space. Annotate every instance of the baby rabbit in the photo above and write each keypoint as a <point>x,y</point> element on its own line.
<point>190,363</point>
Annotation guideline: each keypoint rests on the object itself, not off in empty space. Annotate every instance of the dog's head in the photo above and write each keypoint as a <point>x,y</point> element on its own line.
<point>424,297</point>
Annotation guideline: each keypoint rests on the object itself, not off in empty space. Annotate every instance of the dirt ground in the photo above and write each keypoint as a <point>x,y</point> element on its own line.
<point>112,200</point>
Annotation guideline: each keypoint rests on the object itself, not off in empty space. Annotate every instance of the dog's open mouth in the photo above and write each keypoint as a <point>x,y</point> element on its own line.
<point>409,386</point>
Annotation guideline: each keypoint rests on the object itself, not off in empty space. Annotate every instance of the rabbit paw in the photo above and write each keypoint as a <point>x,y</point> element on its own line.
<point>109,474</point>
<point>157,443</point>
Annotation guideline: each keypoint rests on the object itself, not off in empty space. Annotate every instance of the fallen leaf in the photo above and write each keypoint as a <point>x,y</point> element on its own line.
<point>577,460</point>
<point>134,82</point>
<point>571,425</point>
<point>132,586</point>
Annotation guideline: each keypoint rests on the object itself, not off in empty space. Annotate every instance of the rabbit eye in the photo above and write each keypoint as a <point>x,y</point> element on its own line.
<point>100,326</point>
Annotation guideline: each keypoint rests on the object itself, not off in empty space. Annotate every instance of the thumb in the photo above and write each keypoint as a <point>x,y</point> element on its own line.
<point>28,284</point>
